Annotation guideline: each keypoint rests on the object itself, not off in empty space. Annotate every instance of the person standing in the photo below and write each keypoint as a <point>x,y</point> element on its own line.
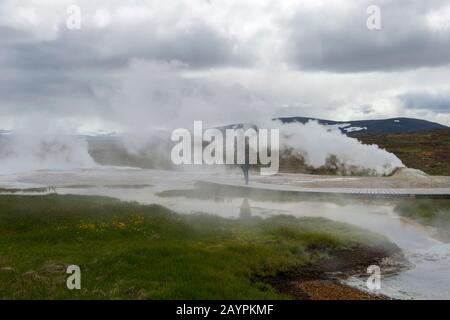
<point>245,169</point>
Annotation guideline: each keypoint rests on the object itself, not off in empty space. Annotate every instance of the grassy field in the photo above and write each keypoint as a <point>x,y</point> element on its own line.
<point>16,190</point>
<point>431,212</point>
<point>426,151</point>
<point>131,251</point>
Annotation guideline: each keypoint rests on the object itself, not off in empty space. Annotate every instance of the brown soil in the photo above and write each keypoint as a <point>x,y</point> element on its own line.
<point>319,281</point>
<point>332,290</point>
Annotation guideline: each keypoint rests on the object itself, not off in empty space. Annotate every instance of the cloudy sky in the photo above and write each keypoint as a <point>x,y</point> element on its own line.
<point>151,63</point>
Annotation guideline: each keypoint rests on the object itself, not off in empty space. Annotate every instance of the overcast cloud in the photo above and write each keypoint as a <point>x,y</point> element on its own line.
<point>413,34</point>
<point>155,63</point>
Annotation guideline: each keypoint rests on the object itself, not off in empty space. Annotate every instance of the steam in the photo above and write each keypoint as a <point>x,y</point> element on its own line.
<point>316,145</point>
<point>42,146</point>
<point>150,99</point>
<point>163,96</point>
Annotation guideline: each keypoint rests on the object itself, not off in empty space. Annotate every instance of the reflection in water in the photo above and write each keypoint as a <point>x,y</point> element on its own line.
<point>245,210</point>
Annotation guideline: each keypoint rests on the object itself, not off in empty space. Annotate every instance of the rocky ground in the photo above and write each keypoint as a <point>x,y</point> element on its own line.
<point>320,281</point>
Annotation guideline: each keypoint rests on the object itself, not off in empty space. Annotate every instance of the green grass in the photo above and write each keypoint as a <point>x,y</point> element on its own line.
<point>131,251</point>
<point>432,212</point>
<point>427,151</point>
<point>16,190</point>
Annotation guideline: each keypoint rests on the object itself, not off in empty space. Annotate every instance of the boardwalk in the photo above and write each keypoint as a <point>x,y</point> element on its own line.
<point>364,192</point>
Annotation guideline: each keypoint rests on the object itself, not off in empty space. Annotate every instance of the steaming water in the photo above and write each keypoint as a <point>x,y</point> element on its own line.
<point>426,278</point>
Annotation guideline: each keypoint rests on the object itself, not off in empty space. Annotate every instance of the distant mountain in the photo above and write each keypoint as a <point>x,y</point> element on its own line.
<point>383,126</point>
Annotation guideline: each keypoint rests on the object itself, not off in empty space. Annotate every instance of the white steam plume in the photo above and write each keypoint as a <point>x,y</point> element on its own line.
<point>35,144</point>
<point>316,143</point>
<point>152,98</point>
